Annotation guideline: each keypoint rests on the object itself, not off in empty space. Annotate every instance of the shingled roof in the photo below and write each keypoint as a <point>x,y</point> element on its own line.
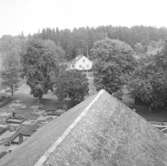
<point>101,131</point>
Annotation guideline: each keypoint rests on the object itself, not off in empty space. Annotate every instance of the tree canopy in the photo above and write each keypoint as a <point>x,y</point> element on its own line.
<point>71,86</point>
<point>81,40</point>
<point>149,81</point>
<point>133,56</point>
<point>10,50</point>
<point>113,59</point>
<point>40,65</point>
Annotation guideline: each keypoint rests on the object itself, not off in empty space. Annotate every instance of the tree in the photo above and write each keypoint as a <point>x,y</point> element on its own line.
<point>10,78</point>
<point>10,49</point>
<point>149,81</point>
<point>82,39</point>
<point>113,58</point>
<point>71,86</point>
<point>107,76</point>
<point>40,65</point>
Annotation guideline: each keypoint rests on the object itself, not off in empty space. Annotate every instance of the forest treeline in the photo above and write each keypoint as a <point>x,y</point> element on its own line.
<point>81,40</point>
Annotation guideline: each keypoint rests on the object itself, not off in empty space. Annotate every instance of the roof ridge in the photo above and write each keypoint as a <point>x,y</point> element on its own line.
<point>52,148</point>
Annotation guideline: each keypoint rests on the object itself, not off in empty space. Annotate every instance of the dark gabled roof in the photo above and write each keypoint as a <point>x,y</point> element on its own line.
<point>100,131</point>
<point>28,130</point>
<point>25,130</point>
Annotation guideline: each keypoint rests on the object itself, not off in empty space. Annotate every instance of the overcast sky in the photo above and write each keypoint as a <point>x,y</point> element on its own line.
<point>29,16</point>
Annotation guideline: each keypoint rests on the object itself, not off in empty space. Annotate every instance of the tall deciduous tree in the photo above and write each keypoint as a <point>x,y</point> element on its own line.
<point>149,81</point>
<point>40,63</point>
<point>10,50</point>
<point>113,58</point>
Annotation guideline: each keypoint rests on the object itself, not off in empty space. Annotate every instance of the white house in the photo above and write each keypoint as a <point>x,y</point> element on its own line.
<point>81,62</point>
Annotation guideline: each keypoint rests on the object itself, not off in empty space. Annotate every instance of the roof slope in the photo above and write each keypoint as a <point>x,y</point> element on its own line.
<point>100,131</point>
<point>78,58</point>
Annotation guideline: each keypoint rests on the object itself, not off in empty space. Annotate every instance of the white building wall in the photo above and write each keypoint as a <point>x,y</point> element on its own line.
<point>83,64</point>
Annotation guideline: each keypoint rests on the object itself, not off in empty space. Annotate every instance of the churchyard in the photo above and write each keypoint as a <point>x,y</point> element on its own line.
<point>22,117</point>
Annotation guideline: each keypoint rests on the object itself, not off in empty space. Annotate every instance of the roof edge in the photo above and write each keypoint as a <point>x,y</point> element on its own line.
<point>52,148</point>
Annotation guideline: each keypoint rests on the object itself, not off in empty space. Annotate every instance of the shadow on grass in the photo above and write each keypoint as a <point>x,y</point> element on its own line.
<point>49,104</point>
